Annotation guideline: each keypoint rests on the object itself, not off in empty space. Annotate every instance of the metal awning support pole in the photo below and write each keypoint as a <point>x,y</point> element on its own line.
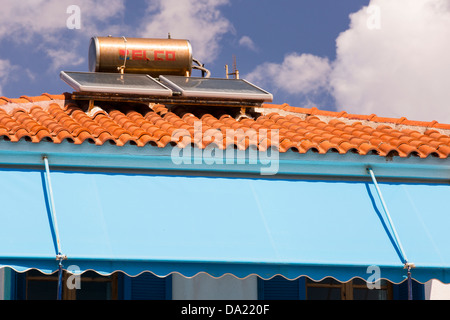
<point>410,295</point>
<point>59,256</point>
<point>407,265</point>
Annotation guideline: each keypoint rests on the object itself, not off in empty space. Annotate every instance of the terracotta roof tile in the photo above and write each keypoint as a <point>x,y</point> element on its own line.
<point>56,118</point>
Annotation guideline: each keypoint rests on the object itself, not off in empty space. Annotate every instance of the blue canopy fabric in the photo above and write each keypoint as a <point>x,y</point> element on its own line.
<point>189,224</point>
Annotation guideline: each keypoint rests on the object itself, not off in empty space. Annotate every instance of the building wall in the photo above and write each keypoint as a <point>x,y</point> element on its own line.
<point>6,285</point>
<point>2,283</point>
<point>206,287</point>
<point>436,290</point>
<point>228,287</point>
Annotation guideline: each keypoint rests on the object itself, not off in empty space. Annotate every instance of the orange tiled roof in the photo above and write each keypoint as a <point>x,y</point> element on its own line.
<point>56,118</point>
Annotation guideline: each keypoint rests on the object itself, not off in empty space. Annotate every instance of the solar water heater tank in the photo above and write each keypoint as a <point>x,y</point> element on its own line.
<point>140,55</point>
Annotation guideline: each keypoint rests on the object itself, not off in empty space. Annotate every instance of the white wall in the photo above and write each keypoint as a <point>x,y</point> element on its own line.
<point>205,287</point>
<point>2,283</point>
<point>436,290</point>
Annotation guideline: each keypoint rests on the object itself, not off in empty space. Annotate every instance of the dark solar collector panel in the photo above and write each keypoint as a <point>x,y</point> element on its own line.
<point>115,83</point>
<point>238,89</point>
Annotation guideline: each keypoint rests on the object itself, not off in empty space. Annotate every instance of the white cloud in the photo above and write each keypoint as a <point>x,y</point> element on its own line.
<point>401,68</point>
<point>62,57</point>
<point>394,61</point>
<point>43,23</point>
<point>196,20</point>
<point>297,74</point>
<point>247,42</point>
<point>5,70</point>
<point>9,72</point>
<point>21,20</point>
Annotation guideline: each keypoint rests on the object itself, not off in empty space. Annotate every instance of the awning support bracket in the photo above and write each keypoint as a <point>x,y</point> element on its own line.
<point>54,224</point>
<point>407,265</point>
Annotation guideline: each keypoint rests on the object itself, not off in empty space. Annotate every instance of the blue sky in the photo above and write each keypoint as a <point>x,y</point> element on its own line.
<point>388,57</point>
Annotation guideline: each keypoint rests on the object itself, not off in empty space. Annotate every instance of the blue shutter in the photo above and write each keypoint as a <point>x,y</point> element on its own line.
<point>279,288</point>
<point>147,286</point>
<point>18,285</point>
<point>400,291</point>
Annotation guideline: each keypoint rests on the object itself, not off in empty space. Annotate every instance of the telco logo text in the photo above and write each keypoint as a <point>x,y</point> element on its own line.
<point>149,55</point>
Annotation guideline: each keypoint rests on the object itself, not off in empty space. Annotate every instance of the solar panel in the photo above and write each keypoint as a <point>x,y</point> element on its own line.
<point>115,83</point>
<point>217,88</point>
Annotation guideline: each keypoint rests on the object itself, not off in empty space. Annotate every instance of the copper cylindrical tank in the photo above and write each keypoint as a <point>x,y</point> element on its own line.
<point>143,55</point>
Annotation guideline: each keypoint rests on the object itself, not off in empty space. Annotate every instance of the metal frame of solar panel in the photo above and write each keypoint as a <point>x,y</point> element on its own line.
<point>115,83</point>
<point>217,88</point>
<point>169,90</point>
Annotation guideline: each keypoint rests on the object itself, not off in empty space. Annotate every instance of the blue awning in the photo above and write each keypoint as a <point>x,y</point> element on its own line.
<point>133,223</point>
